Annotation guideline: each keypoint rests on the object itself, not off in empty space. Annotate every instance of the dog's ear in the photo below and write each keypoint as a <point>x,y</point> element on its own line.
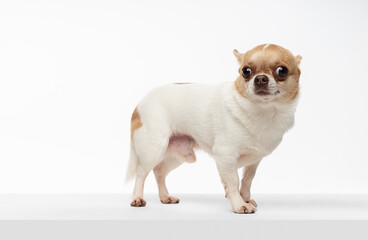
<point>298,59</point>
<point>238,55</point>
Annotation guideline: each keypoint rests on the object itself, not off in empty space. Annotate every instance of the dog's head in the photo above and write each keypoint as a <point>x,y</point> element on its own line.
<point>268,72</point>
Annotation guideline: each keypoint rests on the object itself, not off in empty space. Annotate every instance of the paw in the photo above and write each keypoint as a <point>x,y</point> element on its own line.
<point>247,200</point>
<point>246,208</point>
<point>138,202</point>
<point>251,201</point>
<point>169,200</point>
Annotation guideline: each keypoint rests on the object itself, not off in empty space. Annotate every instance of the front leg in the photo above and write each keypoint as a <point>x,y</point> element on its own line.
<point>248,175</point>
<point>227,167</point>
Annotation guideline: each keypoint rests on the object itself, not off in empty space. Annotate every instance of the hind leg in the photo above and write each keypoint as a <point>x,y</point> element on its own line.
<point>150,150</point>
<point>137,200</point>
<point>161,171</point>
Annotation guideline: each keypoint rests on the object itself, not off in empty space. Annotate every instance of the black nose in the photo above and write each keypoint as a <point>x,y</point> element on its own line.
<point>261,80</point>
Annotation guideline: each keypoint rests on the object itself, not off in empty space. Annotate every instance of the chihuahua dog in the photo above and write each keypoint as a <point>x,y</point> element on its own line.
<point>238,123</point>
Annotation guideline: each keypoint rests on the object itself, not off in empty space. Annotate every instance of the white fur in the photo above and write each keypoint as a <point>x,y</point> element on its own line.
<point>236,131</point>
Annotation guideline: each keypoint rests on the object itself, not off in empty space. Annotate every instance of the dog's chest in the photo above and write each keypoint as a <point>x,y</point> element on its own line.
<point>255,149</point>
<point>261,134</point>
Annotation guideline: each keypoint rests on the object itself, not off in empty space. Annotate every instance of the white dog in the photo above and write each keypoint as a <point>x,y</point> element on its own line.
<point>238,123</point>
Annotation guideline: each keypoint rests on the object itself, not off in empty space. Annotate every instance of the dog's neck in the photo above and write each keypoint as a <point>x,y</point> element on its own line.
<point>263,118</point>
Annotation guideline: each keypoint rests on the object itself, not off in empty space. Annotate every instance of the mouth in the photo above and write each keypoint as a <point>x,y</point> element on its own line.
<point>263,93</point>
<point>266,93</point>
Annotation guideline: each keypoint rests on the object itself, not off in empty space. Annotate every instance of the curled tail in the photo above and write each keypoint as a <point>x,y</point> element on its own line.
<point>132,165</point>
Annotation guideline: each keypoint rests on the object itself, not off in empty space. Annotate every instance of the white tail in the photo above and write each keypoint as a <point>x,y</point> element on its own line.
<point>132,165</point>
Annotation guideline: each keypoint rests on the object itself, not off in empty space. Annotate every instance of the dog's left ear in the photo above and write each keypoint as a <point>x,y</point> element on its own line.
<point>298,59</point>
<point>238,55</point>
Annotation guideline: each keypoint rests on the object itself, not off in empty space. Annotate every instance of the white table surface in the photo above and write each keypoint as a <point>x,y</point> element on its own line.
<point>339,216</point>
<point>191,207</point>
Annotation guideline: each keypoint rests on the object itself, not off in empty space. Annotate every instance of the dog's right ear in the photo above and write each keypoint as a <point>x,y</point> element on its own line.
<point>298,59</point>
<point>238,55</point>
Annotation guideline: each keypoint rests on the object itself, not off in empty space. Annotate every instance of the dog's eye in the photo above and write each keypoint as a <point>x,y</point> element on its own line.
<point>281,71</point>
<point>246,72</point>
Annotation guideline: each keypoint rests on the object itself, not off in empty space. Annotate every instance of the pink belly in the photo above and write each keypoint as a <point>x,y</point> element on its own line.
<point>183,146</point>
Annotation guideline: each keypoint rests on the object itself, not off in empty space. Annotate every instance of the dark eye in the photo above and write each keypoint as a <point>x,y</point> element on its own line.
<point>246,72</point>
<point>281,71</point>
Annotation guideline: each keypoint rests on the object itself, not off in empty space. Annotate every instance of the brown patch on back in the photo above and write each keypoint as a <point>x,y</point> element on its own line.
<point>183,83</point>
<point>135,122</point>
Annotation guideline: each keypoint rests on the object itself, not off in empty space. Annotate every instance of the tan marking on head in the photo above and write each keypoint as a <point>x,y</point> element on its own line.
<point>183,83</point>
<point>265,59</point>
<point>135,122</point>
<point>240,86</point>
<point>292,90</point>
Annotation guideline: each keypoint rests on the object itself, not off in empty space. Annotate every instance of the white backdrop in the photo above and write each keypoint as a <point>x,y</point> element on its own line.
<point>71,73</point>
